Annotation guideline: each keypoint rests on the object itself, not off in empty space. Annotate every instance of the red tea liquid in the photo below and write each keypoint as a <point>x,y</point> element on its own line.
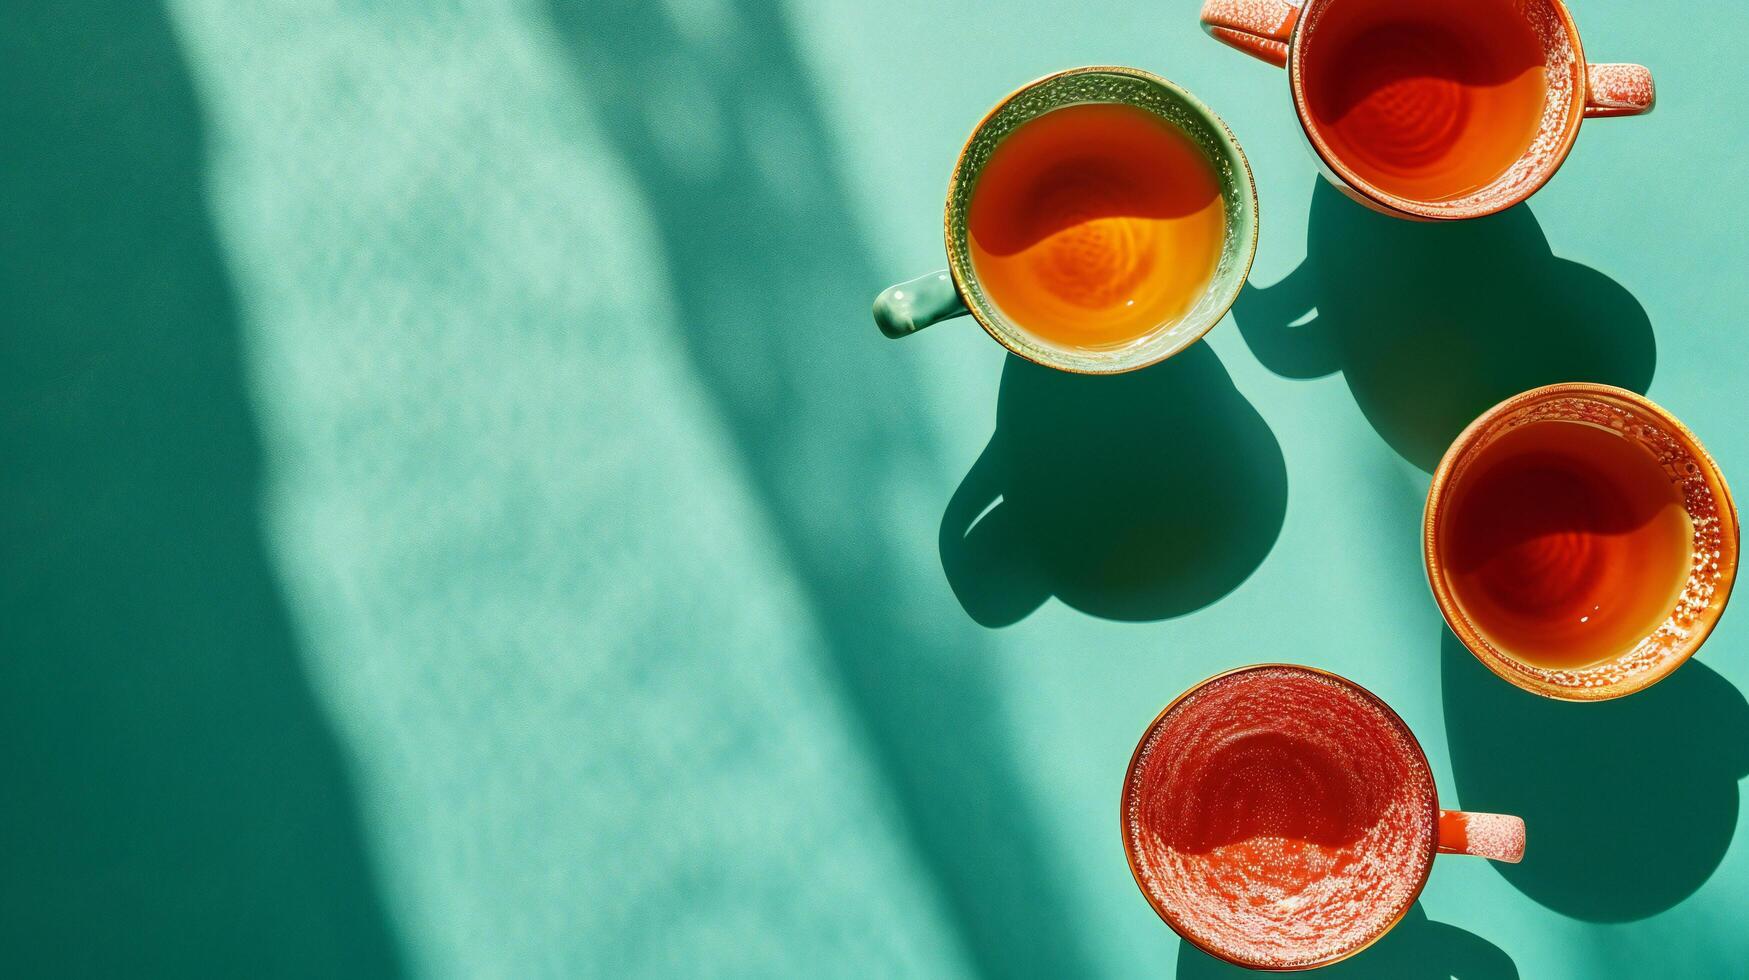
<point>1565,544</point>
<point>1093,226</point>
<point>1430,100</point>
<point>1280,817</point>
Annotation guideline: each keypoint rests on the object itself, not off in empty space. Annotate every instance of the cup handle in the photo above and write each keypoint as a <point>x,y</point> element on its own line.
<point>1494,836</point>
<point>1260,28</point>
<point>1618,90</point>
<point>904,309</point>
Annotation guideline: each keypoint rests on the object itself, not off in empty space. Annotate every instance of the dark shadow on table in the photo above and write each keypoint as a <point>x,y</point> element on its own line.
<point>1136,497</point>
<point>712,109</point>
<point>1417,948</point>
<point>1432,324</point>
<point>1628,805</point>
<point>175,801</point>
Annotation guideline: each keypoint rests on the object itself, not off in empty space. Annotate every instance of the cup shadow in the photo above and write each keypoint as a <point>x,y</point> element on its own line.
<point>1136,497</point>
<point>1417,947</point>
<point>1432,324</point>
<point>1630,804</point>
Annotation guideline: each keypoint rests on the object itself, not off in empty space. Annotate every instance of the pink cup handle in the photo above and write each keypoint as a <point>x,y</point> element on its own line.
<point>1619,90</point>
<point>1260,28</point>
<point>1494,836</point>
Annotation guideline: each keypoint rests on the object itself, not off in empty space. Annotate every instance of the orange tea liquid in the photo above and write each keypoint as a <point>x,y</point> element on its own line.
<point>1093,226</point>
<point>1280,817</point>
<point>1565,544</point>
<point>1431,100</point>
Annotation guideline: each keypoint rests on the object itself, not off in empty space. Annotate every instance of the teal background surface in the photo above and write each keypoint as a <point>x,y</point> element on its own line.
<point>457,517</point>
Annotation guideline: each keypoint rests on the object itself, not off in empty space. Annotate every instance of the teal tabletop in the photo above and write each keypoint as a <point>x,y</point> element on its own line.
<point>458,518</point>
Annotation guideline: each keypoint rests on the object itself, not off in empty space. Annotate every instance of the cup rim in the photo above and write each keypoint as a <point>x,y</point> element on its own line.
<point>1044,357</point>
<point>1466,632</point>
<point>1130,858</point>
<point>1378,197</point>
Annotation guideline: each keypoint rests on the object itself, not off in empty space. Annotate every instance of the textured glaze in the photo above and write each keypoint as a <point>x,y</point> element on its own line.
<point>1281,34</point>
<point>1262,28</point>
<point>1619,90</point>
<point>1280,817</point>
<point>1495,836</point>
<point>1705,497</point>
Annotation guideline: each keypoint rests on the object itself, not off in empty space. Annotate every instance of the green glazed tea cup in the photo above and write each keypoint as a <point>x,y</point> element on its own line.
<point>906,308</point>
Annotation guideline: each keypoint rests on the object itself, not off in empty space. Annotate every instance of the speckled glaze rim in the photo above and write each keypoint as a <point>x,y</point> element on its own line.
<point>1239,247</point>
<point>1371,195</point>
<point>1390,713</point>
<point>1703,467</point>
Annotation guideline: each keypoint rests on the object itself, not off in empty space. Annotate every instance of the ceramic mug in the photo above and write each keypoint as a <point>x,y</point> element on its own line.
<point>1696,496</point>
<point>1283,818</point>
<point>904,309</point>
<point>1432,93</point>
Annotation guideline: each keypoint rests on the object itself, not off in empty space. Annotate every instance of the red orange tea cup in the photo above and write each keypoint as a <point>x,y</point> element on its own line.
<point>1580,541</point>
<point>1439,109</point>
<point>1283,818</point>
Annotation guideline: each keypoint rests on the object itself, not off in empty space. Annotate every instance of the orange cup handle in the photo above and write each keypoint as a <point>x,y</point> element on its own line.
<point>1618,90</point>
<point>1260,28</point>
<point>1494,836</point>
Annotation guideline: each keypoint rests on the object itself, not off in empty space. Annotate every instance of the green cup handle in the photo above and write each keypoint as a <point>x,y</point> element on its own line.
<point>904,309</point>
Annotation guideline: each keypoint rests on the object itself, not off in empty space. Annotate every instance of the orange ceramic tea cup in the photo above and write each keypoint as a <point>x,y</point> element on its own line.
<point>1439,109</point>
<point>1580,541</point>
<point>1283,818</point>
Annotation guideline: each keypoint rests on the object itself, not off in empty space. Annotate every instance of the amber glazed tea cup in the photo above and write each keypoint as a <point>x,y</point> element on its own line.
<point>1098,220</point>
<point>1437,109</point>
<point>1284,818</point>
<point>1580,541</point>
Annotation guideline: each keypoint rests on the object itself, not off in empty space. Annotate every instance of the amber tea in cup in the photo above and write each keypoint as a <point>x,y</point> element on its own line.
<point>1580,540</point>
<point>1093,224</point>
<point>1566,543</point>
<point>1430,101</point>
